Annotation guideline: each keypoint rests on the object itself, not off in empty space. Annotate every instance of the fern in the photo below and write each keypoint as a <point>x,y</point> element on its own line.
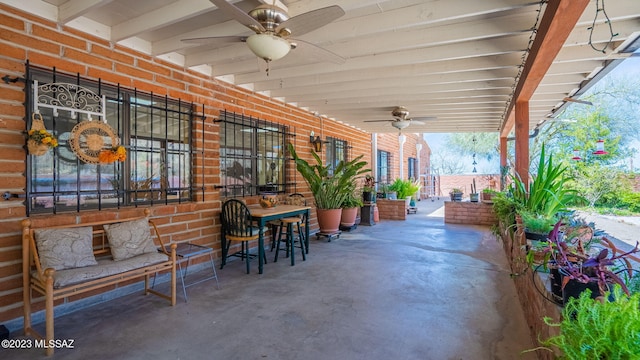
<point>595,329</point>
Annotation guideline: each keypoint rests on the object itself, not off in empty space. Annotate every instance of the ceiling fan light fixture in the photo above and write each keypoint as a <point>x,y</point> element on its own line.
<point>400,124</point>
<point>268,47</point>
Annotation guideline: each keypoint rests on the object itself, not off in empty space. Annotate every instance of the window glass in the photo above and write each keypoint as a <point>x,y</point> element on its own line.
<point>252,157</point>
<point>384,167</point>
<point>336,151</point>
<point>155,131</point>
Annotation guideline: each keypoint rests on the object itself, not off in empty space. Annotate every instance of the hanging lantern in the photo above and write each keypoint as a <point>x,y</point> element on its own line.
<point>576,155</point>
<point>600,148</point>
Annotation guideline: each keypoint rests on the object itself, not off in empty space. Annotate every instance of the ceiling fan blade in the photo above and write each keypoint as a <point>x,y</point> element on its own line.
<point>215,40</point>
<point>239,15</point>
<point>423,118</point>
<point>309,21</point>
<point>417,122</point>
<point>313,51</point>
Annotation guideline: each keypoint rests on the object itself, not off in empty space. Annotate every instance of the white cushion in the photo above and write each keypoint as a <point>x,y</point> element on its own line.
<point>66,248</point>
<point>130,238</point>
<point>105,267</point>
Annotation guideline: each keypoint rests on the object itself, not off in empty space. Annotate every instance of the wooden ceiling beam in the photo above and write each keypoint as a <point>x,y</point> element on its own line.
<point>559,19</point>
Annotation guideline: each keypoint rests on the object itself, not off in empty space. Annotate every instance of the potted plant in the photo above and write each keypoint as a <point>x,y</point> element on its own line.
<point>581,266</point>
<point>455,194</point>
<point>329,189</point>
<point>607,328</point>
<point>405,189</point>
<point>473,196</point>
<point>487,195</point>
<point>537,226</point>
<point>39,141</point>
<point>548,193</point>
<point>350,209</point>
<point>368,190</point>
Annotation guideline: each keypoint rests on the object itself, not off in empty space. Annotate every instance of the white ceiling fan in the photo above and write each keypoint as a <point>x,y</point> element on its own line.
<point>401,119</point>
<point>274,30</point>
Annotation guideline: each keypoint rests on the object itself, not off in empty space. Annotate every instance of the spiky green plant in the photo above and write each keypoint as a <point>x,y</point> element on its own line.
<point>548,191</point>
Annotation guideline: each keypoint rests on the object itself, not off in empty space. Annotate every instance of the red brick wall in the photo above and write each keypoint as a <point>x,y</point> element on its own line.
<point>448,182</point>
<point>391,209</point>
<point>24,37</point>
<point>471,213</point>
<point>532,291</point>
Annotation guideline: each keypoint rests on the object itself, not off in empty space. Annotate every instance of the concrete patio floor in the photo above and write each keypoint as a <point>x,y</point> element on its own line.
<point>414,289</point>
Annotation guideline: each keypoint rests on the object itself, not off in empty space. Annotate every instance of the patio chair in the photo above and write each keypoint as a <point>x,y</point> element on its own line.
<point>237,226</point>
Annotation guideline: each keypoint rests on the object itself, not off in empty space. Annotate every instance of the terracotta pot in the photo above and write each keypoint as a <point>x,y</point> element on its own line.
<point>329,220</point>
<point>349,216</point>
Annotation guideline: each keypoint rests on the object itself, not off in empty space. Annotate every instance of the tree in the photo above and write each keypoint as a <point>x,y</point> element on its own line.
<point>593,181</point>
<point>486,145</point>
<point>613,117</point>
<point>445,162</point>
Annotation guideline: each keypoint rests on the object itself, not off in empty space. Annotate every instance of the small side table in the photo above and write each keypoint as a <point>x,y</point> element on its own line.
<point>184,253</point>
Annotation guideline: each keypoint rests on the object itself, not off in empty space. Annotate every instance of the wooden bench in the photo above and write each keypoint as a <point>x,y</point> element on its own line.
<point>51,245</point>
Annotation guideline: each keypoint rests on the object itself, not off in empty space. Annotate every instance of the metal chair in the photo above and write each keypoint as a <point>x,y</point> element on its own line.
<point>237,226</point>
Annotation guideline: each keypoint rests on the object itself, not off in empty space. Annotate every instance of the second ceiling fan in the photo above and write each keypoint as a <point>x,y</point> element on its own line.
<point>274,30</point>
<point>401,118</point>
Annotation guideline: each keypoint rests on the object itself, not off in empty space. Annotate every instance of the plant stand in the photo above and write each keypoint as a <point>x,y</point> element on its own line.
<point>348,228</point>
<point>367,216</point>
<point>329,236</point>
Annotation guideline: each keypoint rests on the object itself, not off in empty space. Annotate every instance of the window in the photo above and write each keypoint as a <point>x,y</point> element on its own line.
<point>384,167</point>
<point>336,151</point>
<point>412,170</point>
<point>156,131</point>
<point>252,155</point>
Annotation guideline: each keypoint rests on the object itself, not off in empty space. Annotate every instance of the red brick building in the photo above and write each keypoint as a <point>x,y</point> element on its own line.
<point>32,45</point>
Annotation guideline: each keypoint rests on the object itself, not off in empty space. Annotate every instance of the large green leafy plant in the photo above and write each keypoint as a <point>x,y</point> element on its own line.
<point>607,328</point>
<point>404,188</point>
<point>330,189</point>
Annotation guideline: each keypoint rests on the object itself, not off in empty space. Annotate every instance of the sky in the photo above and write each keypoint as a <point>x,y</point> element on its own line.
<point>630,67</point>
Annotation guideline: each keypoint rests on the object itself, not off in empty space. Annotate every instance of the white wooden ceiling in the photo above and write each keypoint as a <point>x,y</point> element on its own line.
<point>457,60</point>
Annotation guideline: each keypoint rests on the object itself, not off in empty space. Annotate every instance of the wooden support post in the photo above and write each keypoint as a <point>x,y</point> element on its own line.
<point>503,161</point>
<point>522,141</point>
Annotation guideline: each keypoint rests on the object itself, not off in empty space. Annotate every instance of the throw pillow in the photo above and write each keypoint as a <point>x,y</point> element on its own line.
<point>65,248</point>
<point>130,238</point>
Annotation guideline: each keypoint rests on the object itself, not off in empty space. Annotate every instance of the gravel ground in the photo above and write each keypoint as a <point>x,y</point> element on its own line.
<point>624,230</point>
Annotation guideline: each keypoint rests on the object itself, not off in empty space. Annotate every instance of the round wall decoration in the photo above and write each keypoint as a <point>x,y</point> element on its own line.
<point>89,137</point>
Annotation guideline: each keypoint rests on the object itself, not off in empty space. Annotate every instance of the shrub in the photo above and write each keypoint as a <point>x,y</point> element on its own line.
<point>404,188</point>
<point>607,328</point>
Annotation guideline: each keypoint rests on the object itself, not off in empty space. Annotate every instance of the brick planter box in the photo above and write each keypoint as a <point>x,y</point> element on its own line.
<point>392,209</point>
<point>470,213</point>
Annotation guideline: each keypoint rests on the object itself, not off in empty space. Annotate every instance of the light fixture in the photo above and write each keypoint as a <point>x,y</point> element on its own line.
<point>268,47</point>
<point>316,142</point>
<point>576,155</point>
<point>400,124</point>
<point>600,148</point>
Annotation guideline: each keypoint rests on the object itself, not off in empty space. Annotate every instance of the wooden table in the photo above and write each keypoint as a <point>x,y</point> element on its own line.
<point>263,216</point>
